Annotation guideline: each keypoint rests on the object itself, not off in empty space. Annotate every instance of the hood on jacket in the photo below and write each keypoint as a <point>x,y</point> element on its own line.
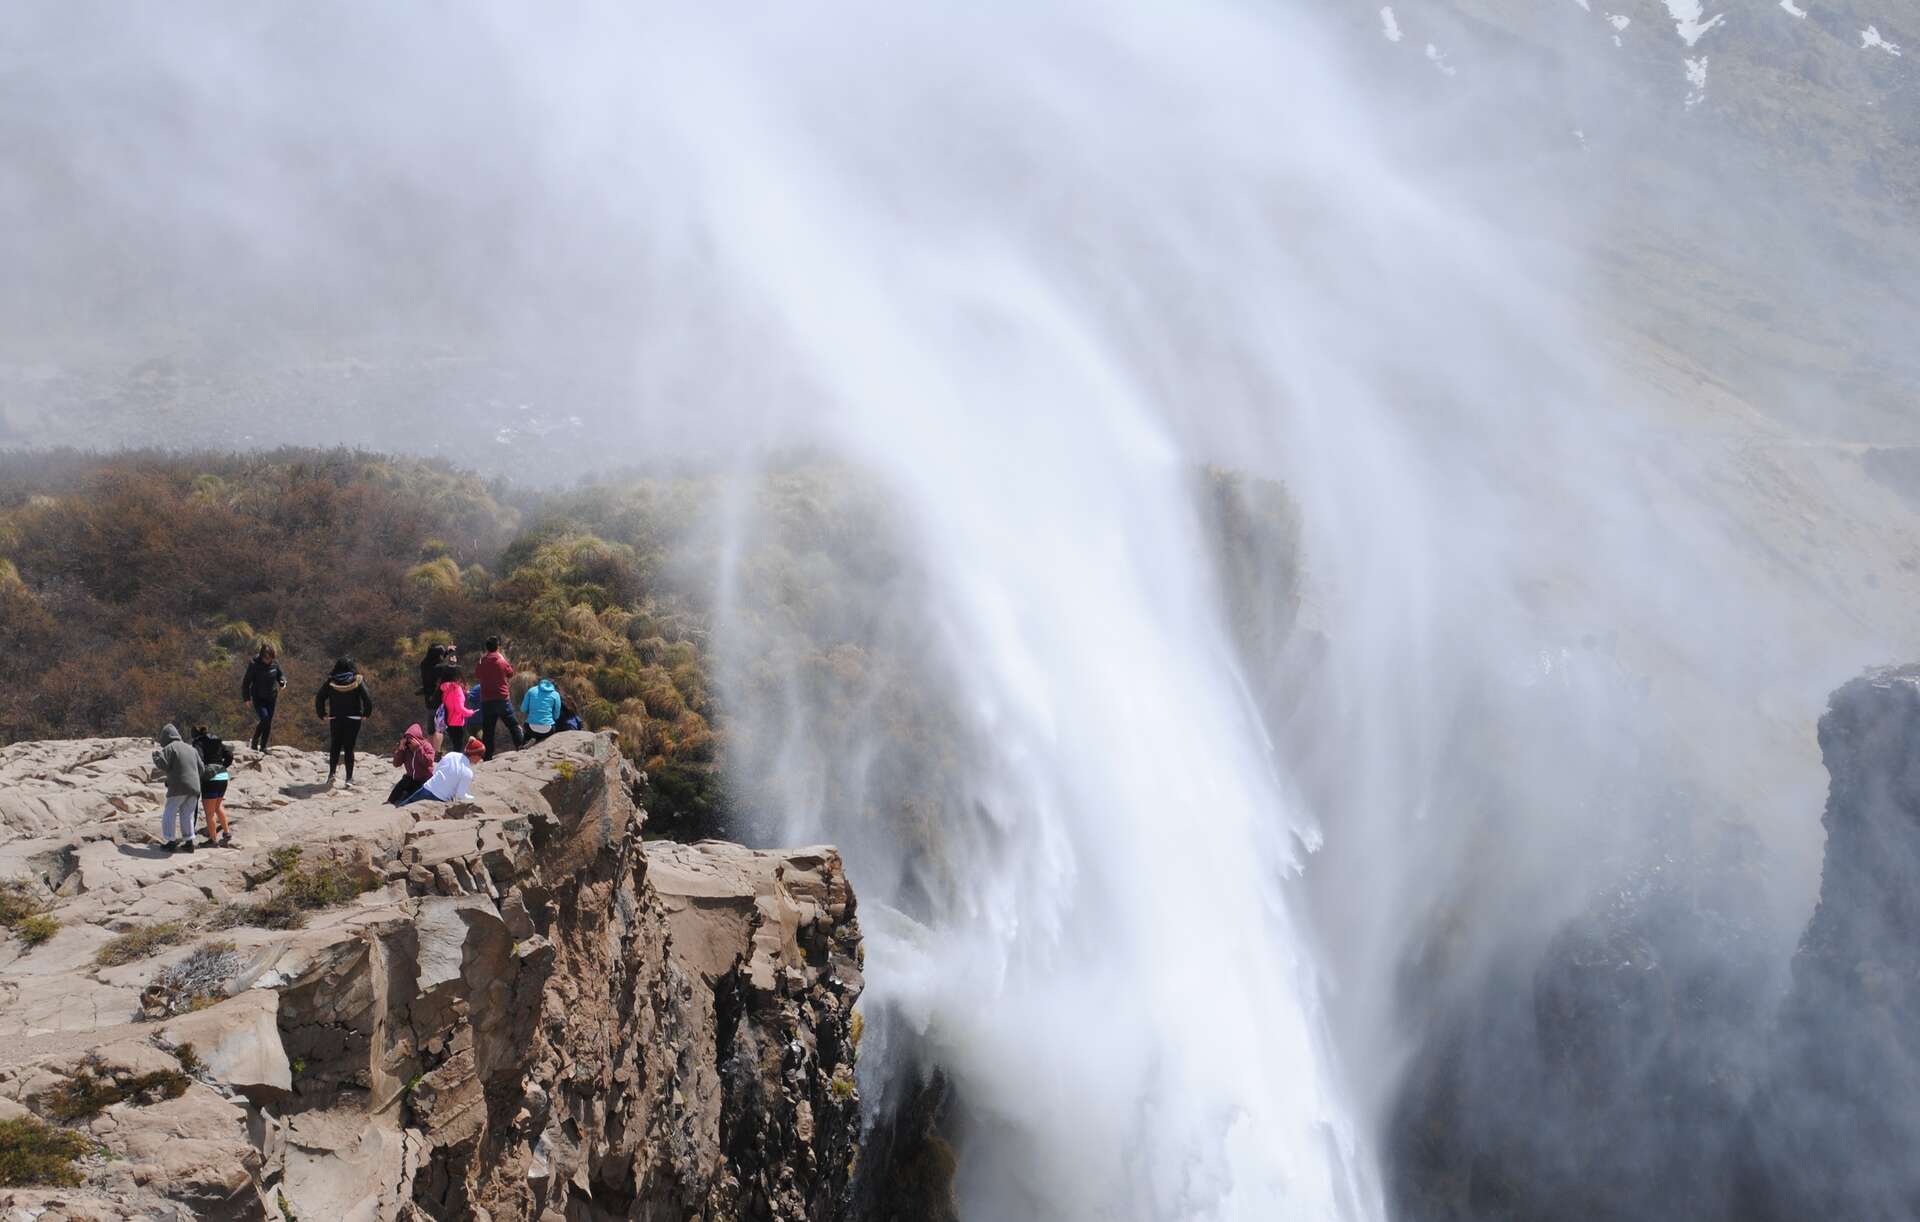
<point>415,733</point>
<point>343,680</point>
<point>169,733</point>
<point>546,685</point>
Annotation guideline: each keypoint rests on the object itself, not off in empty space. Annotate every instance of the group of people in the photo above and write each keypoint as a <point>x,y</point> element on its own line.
<point>434,765</point>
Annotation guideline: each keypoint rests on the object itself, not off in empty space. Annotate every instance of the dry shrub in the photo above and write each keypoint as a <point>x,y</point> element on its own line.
<point>193,983</point>
<point>141,941</point>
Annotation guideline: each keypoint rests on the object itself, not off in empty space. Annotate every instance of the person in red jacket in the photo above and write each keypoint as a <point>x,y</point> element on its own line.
<point>496,696</point>
<point>414,756</point>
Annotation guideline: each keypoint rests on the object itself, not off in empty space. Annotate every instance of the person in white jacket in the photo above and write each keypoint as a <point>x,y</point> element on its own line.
<point>451,781</point>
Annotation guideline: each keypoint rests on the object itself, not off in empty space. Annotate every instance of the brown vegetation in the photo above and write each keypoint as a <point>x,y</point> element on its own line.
<point>133,589</point>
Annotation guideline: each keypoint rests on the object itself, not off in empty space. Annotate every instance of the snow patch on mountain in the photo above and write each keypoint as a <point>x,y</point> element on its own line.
<point>1686,16</point>
<point>1389,26</point>
<point>1696,81</point>
<point>1793,9</point>
<point>1438,59</point>
<point>1870,38</point>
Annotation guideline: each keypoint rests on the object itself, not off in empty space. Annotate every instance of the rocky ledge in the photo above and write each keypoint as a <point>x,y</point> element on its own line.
<point>509,1007</point>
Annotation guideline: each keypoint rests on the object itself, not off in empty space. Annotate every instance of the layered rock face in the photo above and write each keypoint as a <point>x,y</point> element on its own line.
<point>1834,1132</point>
<point>509,1007</point>
<point>1605,1075</point>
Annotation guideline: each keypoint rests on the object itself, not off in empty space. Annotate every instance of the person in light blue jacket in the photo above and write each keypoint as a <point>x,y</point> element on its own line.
<point>540,708</point>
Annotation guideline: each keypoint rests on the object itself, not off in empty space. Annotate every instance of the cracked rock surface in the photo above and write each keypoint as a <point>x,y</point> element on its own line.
<point>516,1007</point>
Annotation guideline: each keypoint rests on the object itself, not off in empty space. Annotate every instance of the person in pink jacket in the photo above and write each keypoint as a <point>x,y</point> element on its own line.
<point>453,706</point>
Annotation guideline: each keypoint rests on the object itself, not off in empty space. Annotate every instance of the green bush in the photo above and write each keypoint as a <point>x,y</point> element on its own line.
<point>34,1154</point>
<point>36,929</point>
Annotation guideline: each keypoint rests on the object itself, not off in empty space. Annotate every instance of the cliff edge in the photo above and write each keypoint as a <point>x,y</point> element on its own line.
<point>510,1007</point>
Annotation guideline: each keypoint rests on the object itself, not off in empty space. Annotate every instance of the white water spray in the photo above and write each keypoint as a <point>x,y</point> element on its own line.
<point>1031,269</point>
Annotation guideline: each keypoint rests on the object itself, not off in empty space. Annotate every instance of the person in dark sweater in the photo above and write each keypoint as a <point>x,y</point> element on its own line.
<point>438,658</point>
<point>216,758</point>
<point>496,696</point>
<point>344,701</point>
<point>260,688</point>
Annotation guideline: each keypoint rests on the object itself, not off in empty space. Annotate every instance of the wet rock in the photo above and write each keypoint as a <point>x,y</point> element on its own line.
<point>1833,1132</point>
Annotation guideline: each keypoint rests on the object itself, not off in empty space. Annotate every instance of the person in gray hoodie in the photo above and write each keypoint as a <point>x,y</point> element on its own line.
<point>179,763</point>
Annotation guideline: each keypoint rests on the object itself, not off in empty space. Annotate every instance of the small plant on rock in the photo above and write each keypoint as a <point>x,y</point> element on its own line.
<point>841,1085</point>
<point>298,890</point>
<point>20,898</point>
<point>87,1093</point>
<point>23,910</point>
<point>34,1154</point>
<point>141,941</point>
<point>36,929</point>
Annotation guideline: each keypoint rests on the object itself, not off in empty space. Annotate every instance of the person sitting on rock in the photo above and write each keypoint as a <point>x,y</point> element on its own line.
<point>541,707</point>
<point>452,778</point>
<point>343,701</point>
<point>215,759</point>
<point>415,758</point>
<point>179,763</point>
<point>260,687</point>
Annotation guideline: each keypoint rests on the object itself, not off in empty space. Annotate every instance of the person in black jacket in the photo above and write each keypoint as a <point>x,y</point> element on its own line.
<point>261,688</point>
<point>344,700</point>
<point>438,658</point>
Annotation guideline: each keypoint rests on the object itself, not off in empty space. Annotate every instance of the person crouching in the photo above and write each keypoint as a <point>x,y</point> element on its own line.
<point>414,757</point>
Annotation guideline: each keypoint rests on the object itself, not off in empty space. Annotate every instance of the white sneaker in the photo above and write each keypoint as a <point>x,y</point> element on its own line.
<point>347,787</point>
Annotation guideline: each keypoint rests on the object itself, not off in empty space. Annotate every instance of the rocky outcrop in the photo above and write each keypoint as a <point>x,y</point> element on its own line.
<point>1633,1070</point>
<point>509,1007</point>
<point>1834,1132</point>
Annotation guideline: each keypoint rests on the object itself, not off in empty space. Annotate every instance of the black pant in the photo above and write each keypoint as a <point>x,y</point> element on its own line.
<point>263,727</point>
<point>493,711</point>
<point>346,732</point>
<point>403,789</point>
<point>457,737</point>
